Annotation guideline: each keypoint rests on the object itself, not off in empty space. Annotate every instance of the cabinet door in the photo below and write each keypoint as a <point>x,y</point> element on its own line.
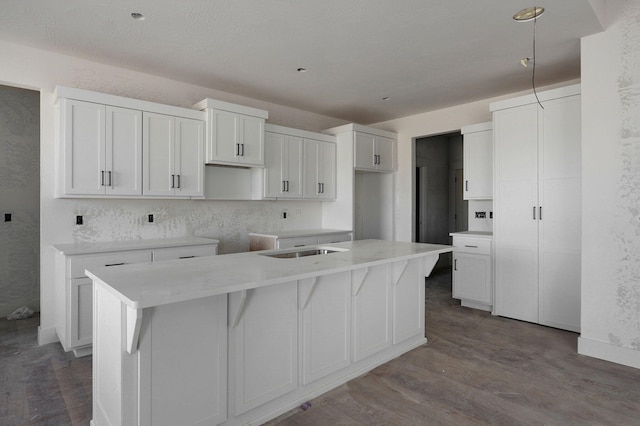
<point>252,140</point>
<point>189,157</point>
<point>364,147</point>
<point>371,311</point>
<point>222,143</point>
<point>81,312</point>
<point>319,169</point>
<point>472,277</point>
<point>158,137</point>
<point>515,207</point>
<point>478,165</point>
<point>560,223</point>
<point>283,166</point>
<point>408,283</point>
<point>325,303</point>
<point>83,138</point>
<point>263,344</point>
<point>123,159</point>
<point>385,150</point>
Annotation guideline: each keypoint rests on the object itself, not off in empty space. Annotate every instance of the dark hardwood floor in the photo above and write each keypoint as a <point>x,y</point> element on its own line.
<point>475,369</point>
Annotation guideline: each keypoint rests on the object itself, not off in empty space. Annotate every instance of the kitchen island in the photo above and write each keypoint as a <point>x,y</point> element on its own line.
<point>243,338</point>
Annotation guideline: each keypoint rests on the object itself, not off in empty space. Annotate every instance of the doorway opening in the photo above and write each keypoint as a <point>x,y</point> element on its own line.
<point>439,204</point>
<point>19,199</point>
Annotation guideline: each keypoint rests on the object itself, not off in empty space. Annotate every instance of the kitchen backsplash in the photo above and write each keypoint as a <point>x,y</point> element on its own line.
<point>228,221</point>
<point>483,208</point>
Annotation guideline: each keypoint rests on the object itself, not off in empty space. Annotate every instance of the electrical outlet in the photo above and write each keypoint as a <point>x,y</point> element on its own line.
<point>490,215</point>
<point>481,215</point>
<point>150,218</point>
<point>7,217</point>
<point>79,220</point>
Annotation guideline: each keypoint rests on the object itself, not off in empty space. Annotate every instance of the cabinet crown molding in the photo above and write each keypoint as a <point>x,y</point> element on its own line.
<point>353,127</point>
<point>229,107</point>
<point>547,95</point>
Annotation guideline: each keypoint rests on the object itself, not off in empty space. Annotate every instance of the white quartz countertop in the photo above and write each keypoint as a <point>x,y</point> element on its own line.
<point>110,246</point>
<point>300,233</point>
<point>145,285</point>
<point>481,234</point>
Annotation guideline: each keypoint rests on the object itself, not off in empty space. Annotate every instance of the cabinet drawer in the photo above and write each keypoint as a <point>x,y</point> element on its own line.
<point>333,238</point>
<point>77,264</point>
<point>297,242</point>
<point>184,252</point>
<point>472,245</point>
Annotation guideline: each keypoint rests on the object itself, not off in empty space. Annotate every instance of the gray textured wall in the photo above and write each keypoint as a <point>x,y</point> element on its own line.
<point>19,196</point>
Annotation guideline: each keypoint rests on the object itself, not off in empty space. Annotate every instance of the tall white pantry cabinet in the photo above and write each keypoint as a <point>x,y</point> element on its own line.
<point>537,186</point>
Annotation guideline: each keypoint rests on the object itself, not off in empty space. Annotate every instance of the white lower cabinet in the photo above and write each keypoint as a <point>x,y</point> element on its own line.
<point>325,309</point>
<point>263,339</point>
<point>371,303</point>
<point>74,291</point>
<point>472,272</point>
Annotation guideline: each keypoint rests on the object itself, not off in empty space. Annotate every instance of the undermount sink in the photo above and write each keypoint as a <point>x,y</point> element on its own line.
<point>301,252</point>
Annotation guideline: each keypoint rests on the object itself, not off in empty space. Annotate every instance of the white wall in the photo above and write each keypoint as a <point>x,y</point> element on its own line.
<point>611,188</point>
<point>122,219</point>
<point>20,197</point>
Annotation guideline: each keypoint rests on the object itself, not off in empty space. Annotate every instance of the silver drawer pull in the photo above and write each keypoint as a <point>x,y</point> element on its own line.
<point>186,257</point>
<point>114,264</point>
<point>300,245</point>
<point>471,246</point>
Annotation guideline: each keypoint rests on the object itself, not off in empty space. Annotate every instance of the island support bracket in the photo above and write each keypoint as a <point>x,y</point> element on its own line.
<point>134,321</point>
<point>314,284</point>
<point>398,271</point>
<point>429,263</point>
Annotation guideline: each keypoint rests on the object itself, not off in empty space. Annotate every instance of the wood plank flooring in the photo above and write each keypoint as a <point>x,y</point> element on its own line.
<point>475,369</point>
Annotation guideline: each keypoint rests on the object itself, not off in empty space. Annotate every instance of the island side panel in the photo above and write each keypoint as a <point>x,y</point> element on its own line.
<point>183,363</point>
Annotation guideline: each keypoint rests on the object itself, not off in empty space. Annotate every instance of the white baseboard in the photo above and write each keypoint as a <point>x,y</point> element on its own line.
<point>609,352</point>
<point>47,335</point>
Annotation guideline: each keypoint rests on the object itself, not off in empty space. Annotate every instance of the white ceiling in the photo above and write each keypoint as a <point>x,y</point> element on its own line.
<point>423,54</point>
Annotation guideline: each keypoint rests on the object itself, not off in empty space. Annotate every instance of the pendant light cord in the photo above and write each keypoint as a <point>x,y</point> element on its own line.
<point>533,74</point>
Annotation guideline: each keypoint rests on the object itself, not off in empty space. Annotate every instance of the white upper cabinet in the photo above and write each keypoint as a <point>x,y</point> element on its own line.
<point>101,149</point>
<point>283,166</point>
<point>374,152</point>
<point>478,161</point>
<point>319,169</point>
<point>101,140</point>
<point>235,134</point>
<point>299,164</point>
<point>173,156</point>
<point>537,228</point>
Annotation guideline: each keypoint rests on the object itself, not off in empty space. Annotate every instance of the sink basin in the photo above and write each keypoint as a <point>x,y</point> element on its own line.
<point>301,252</point>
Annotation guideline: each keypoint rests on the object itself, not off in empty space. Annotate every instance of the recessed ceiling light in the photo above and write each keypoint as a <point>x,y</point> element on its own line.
<point>137,16</point>
<point>302,69</point>
<point>528,14</point>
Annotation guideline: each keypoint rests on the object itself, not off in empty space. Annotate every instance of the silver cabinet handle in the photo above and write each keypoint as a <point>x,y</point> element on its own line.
<point>186,257</point>
<point>110,181</point>
<point>114,264</point>
<point>173,181</point>
<point>471,246</point>
<point>540,210</point>
<point>466,185</point>
<point>102,178</point>
<point>238,149</point>
<point>178,176</point>
<point>242,149</point>
<point>455,264</point>
<point>319,188</point>
<point>284,186</point>
<point>534,212</point>
<point>322,187</point>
